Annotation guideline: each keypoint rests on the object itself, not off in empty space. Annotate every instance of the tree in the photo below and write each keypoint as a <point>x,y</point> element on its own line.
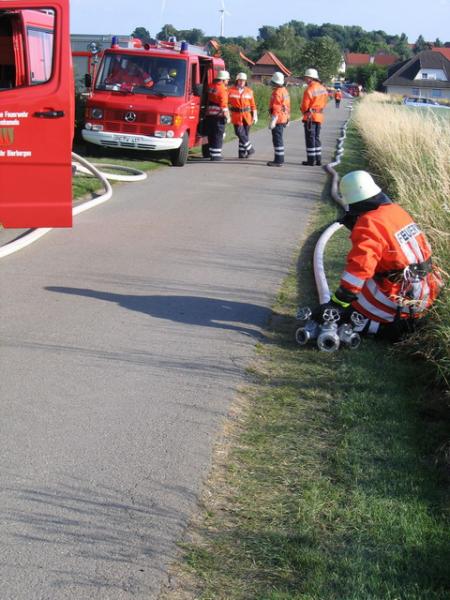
<point>233,62</point>
<point>323,54</point>
<point>166,32</point>
<point>141,33</point>
<point>421,45</point>
<point>401,47</point>
<point>438,43</point>
<point>266,32</point>
<point>193,36</point>
<point>370,76</point>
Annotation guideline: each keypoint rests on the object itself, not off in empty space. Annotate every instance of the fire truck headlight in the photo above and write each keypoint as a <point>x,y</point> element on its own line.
<point>170,134</point>
<point>88,126</point>
<point>97,127</point>
<point>166,119</point>
<point>97,113</point>
<point>160,134</point>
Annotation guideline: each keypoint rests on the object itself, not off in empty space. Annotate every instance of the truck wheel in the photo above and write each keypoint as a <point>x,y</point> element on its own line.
<point>178,157</point>
<point>205,151</point>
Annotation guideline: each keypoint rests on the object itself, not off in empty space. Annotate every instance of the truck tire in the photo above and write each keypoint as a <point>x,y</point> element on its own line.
<point>205,151</point>
<point>179,156</point>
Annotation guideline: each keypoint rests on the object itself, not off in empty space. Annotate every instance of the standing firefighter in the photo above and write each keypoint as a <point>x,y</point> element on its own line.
<point>280,111</point>
<point>217,114</point>
<point>388,276</point>
<point>337,98</point>
<point>314,101</point>
<point>243,113</point>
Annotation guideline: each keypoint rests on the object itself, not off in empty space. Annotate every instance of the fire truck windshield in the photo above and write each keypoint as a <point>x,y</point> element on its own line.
<point>151,75</point>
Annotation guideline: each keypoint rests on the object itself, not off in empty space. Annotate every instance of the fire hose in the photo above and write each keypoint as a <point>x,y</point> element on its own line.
<point>329,335</point>
<point>82,167</point>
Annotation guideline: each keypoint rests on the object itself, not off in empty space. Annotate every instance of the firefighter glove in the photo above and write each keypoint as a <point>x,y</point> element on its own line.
<point>273,123</point>
<point>255,117</point>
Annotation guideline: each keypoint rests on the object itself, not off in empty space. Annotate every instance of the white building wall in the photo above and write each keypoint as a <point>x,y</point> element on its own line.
<point>422,92</point>
<point>431,74</point>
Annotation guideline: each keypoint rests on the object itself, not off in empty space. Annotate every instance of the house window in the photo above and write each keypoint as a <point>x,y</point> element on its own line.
<point>415,92</point>
<point>436,93</point>
<point>424,75</point>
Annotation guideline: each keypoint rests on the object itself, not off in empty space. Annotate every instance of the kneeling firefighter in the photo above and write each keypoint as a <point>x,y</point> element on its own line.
<point>389,278</point>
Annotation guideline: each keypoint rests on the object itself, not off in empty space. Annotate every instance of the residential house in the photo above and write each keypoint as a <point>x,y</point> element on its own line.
<point>426,75</point>
<point>266,66</point>
<point>356,59</point>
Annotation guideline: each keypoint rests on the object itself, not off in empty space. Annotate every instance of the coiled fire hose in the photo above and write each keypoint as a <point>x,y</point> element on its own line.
<point>83,167</point>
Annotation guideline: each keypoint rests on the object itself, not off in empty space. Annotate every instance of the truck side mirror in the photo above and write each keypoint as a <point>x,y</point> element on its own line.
<point>198,89</point>
<point>88,80</point>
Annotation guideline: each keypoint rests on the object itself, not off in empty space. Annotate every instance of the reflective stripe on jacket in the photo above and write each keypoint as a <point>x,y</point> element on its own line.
<point>387,240</point>
<point>242,104</point>
<point>280,105</point>
<point>217,99</point>
<point>314,101</point>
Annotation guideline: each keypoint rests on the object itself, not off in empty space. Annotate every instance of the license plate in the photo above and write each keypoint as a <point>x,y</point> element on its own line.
<point>129,139</point>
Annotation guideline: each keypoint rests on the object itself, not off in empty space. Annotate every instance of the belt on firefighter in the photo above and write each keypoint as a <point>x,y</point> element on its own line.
<point>240,110</point>
<point>314,110</point>
<point>420,269</point>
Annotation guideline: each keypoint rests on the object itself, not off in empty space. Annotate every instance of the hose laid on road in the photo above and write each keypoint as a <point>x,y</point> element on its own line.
<point>323,289</point>
<point>83,167</point>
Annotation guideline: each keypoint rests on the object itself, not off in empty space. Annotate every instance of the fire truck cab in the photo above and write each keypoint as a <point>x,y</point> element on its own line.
<point>150,98</point>
<point>36,114</point>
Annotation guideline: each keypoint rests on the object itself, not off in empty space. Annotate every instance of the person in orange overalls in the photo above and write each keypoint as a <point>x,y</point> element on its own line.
<point>131,76</point>
<point>389,277</point>
<point>315,99</point>
<point>243,113</point>
<point>217,114</point>
<point>337,98</point>
<point>280,113</point>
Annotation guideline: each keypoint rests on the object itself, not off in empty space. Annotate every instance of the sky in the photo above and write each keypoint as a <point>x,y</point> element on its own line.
<point>413,17</point>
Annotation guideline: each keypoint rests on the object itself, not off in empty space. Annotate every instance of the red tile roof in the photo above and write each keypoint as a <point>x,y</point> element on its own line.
<point>356,58</point>
<point>269,58</point>
<point>385,59</point>
<point>444,51</point>
<point>246,58</point>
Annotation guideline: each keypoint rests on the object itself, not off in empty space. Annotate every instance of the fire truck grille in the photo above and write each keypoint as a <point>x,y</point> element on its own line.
<point>141,117</point>
<point>137,128</point>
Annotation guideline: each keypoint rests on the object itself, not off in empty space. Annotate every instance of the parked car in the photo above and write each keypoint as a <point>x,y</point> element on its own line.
<point>415,101</point>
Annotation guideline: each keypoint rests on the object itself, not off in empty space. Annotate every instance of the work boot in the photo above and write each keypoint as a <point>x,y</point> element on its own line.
<point>308,163</point>
<point>274,163</point>
<point>242,156</point>
<point>216,158</point>
<point>250,151</point>
<point>318,162</point>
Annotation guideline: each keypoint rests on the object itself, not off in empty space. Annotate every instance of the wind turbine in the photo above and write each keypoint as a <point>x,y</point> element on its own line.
<point>223,11</point>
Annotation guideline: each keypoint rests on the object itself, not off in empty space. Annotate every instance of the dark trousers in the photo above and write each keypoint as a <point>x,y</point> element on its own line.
<point>313,145</point>
<point>338,103</point>
<point>215,126</point>
<point>243,132</point>
<point>278,144</point>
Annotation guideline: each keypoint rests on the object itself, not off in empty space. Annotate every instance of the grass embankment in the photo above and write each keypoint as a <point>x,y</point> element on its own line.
<point>327,485</point>
<point>409,152</point>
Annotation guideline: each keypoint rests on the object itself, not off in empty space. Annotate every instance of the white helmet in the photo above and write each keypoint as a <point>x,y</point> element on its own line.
<point>242,76</point>
<point>223,75</point>
<point>312,73</point>
<point>358,186</point>
<point>277,78</point>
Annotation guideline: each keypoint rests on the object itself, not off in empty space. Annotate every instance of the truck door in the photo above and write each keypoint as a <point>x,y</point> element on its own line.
<point>194,98</point>
<point>36,114</point>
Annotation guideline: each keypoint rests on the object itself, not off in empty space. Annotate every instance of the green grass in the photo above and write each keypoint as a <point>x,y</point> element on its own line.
<point>329,484</point>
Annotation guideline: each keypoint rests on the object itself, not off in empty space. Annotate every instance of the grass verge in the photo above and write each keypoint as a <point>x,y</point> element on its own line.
<point>327,485</point>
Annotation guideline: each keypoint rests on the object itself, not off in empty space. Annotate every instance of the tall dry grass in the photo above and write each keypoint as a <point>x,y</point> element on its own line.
<point>408,150</point>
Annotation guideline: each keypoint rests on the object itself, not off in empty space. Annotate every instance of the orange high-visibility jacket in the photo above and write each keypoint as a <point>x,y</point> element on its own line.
<point>315,99</point>
<point>242,105</point>
<point>385,241</point>
<point>338,95</point>
<point>217,99</point>
<point>280,105</point>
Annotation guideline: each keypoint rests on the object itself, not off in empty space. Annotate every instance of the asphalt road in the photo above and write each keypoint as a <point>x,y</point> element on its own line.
<point>123,342</point>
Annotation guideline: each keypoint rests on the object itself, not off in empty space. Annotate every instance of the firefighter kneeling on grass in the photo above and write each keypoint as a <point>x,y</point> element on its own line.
<point>243,113</point>
<point>217,114</point>
<point>389,277</point>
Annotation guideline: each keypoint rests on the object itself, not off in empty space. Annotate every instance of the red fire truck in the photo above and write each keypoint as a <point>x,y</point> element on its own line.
<point>36,114</point>
<point>150,98</point>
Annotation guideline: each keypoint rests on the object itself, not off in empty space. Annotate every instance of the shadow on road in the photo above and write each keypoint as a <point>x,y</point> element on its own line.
<point>192,310</point>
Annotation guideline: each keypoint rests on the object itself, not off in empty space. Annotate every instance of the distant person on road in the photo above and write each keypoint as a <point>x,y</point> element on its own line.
<point>243,113</point>
<point>217,114</point>
<point>389,277</point>
<point>314,101</point>
<point>280,113</point>
<point>337,98</point>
